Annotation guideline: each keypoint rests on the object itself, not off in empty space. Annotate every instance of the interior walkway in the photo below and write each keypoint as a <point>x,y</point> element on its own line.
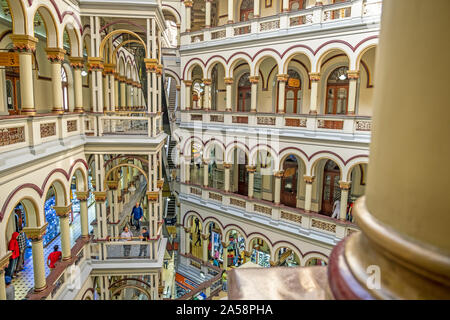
<point>24,282</point>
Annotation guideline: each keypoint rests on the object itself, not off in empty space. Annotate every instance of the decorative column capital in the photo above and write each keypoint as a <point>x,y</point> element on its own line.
<point>353,74</point>
<point>63,212</point>
<point>344,185</point>
<point>204,236</point>
<point>251,169</point>
<point>282,77</point>
<point>187,229</point>
<point>188,3</point>
<point>110,68</point>
<point>82,195</point>
<point>279,174</point>
<point>55,55</point>
<point>23,42</point>
<point>160,183</point>
<point>76,62</point>
<point>178,88</point>
<point>153,196</point>
<point>35,233</point>
<point>4,261</point>
<point>187,83</point>
<point>151,64</point>
<point>314,76</point>
<point>95,64</point>
<point>129,82</point>
<point>309,179</point>
<point>112,184</point>
<point>227,165</point>
<point>225,245</point>
<point>207,82</point>
<point>228,80</point>
<point>116,76</point>
<point>122,79</point>
<point>100,196</point>
<point>254,79</point>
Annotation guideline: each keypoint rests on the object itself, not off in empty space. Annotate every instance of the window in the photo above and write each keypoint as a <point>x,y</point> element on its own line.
<point>295,5</point>
<point>65,89</point>
<point>337,92</point>
<point>244,93</point>
<point>246,11</point>
<point>293,94</point>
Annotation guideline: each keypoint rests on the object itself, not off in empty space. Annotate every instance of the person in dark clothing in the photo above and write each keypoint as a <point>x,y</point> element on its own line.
<point>137,213</point>
<point>22,241</point>
<point>199,240</point>
<point>145,237</point>
<point>197,224</point>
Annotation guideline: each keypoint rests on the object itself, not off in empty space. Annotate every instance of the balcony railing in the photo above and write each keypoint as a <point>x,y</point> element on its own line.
<point>295,216</point>
<point>24,131</point>
<point>319,15</point>
<point>347,124</point>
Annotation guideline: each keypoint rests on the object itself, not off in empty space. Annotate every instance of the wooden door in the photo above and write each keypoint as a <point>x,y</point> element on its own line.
<point>289,184</point>
<point>331,190</point>
<point>13,93</point>
<point>292,100</point>
<point>243,180</point>
<point>337,99</point>
<point>244,99</point>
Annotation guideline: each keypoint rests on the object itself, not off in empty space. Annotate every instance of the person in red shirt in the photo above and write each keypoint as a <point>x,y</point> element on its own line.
<point>54,257</point>
<point>14,247</point>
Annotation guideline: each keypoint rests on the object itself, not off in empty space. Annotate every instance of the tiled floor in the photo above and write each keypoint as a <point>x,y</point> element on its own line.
<point>25,281</point>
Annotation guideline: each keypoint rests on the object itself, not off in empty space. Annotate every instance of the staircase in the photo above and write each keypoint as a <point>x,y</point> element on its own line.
<point>192,274</point>
<point>171,207</point>
<point>170,160</point>
<point>172,97</point>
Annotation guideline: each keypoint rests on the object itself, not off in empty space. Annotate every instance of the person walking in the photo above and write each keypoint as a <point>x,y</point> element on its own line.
<point>126,235</point>
<point>137,213</point>
<point>199,240</point>
<point>144,237</point>
<point>14,247</point>
<point>54,257</point>
<point>336,209</point>
<point>224,280</point>
<point>22,240</point>
<point>10,291</point>
<point>197,224</point>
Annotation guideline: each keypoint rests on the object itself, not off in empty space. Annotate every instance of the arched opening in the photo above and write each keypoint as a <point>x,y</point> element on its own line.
<point>215,248</point>
<point>246,10</point>
<point>260,252</point>
<point>217,90</point>
<point>215,167</point>
<point>196,174</point>
<point>331,192</point>
<point>289,182</point>
<point>239,174</point>
<point>236,249</point>
<point>337,91</point>
<point>244,93</point>
<point>293,92</point>
<point>358,178</point>
<point>65,89</point>
<point>196,240</point>
<point>315,262</point>
<point>286,257</point>
<point>263,181</point>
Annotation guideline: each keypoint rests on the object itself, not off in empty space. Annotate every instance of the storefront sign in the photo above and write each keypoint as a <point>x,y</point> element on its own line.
<point>9,59</point>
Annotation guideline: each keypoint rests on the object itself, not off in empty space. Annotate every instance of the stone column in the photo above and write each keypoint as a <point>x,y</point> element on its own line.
<point>345,187</point>
<point>4,261</point>
<point>187,240</point>
<point>315,78</point>
<point>251,180</point>
<point>308,192</point>
<point>282,79</point>
<point>105,91</point>
<point>205,173</point>
<point>208,13</point>
<point>84,214</point>
<point>205,247</point>
<point>254,80</point>
<point>225,256</point>
<point>230,11</point>
<point>123,94</point>
<point>229,84</point>
<point>285,6</point>
<point>35,235</point>
<point>188,5</point>
<point>227,167</point>
<point>77,64</point>
<point>207,96</point>
<point>116,91</point>
<point>63,213</point>
<point>187,172</point>
<point>353,77</point>
<point>277,192</point>
<point>402,251</point>
<point>256,8</point>
<point>25,45</point>
<point>56,56</point>
<point>187,92</point>
<point>129,98</point>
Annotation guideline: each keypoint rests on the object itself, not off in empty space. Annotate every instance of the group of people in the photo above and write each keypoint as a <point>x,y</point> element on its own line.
<point>137,213</point>
<point>17,245</point>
